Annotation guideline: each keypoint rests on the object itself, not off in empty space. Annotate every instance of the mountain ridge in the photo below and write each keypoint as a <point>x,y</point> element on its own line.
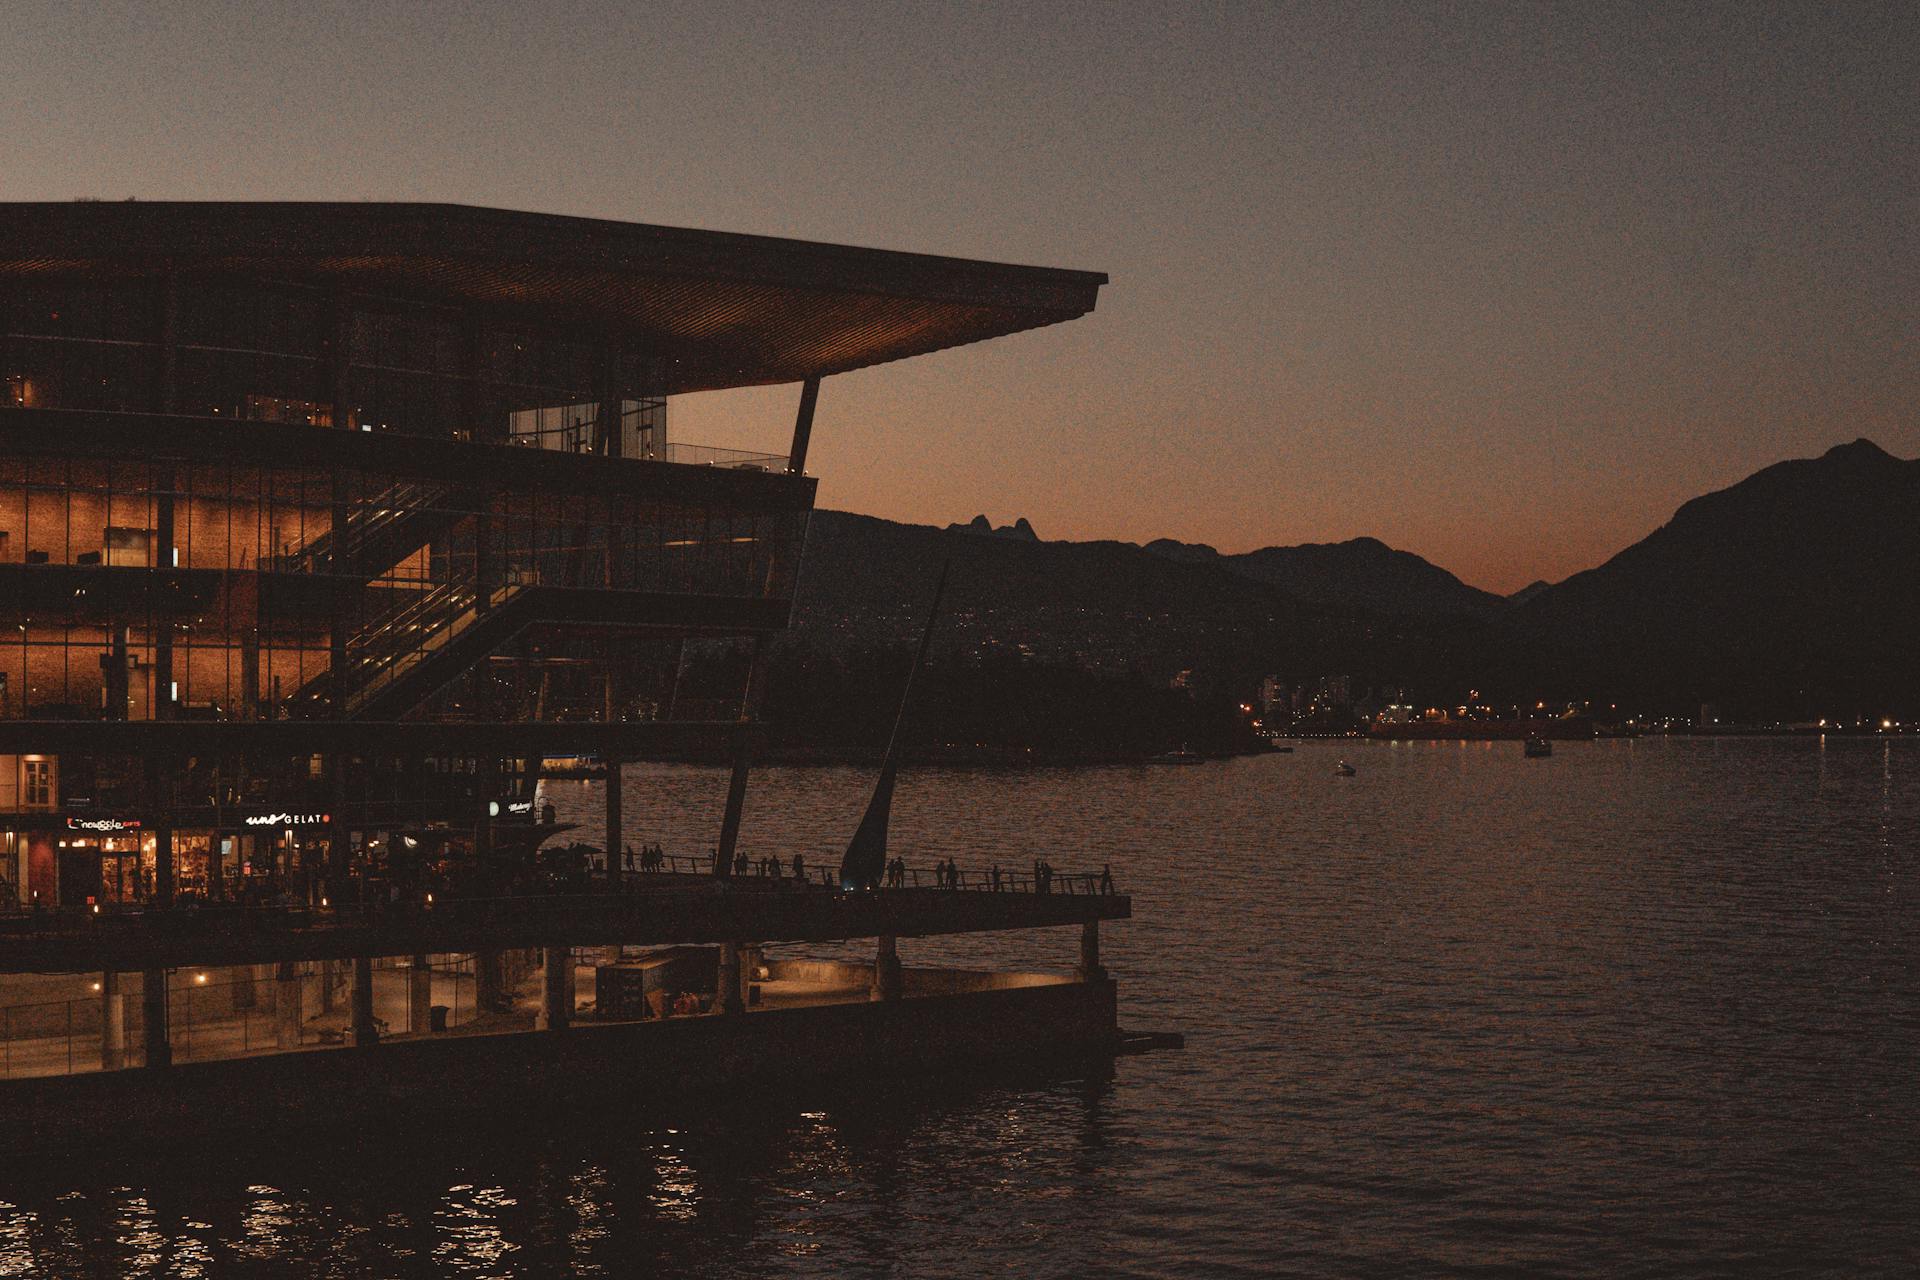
<point>1799,577</point>
<point>1794,588</point>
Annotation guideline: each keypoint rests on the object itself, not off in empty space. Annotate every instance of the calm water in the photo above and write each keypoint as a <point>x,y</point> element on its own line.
<point>1645,1008</point>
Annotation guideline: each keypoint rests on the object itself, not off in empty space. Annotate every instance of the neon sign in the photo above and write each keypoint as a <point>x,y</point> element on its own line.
<point>103,824</point>
<point>288,820</point>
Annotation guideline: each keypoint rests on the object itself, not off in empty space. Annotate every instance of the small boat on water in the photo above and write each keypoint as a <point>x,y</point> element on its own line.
<point>1537,747</point>
<point>1182,756</point>
<point>1345,770</point>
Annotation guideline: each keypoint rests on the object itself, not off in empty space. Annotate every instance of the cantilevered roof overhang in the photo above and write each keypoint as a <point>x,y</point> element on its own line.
<point>724,310</point>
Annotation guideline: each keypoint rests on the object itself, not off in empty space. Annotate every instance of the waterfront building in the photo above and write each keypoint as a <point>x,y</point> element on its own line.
<point>322,525</point>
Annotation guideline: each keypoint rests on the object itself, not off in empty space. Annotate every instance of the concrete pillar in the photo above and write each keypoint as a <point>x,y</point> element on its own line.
<point>340,886</point>
<point>420,997</point>
<point>364,1036</point>
<point>728,995</point>
<point>153,1002</point>
<point>488,986</point>
<point>289,1012</point>
<point>888,982</point>
<point>1090,968</point>
<point>557,1007</point>
<point>163,866</point>
<point>483,827</point>
<point>113,1023</point>
<point>616,830</point>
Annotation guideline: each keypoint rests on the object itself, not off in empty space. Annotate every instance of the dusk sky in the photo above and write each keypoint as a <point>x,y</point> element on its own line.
<point>1501,285</point>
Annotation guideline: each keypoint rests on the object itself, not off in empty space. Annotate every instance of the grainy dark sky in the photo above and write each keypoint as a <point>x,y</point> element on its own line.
<point>1498,284</point>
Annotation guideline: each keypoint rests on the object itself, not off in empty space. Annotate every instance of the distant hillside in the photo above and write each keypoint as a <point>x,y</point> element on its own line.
<point>1795,594</point>
<point>1798,588</point>
<point>867,581</point>
<point>1362,574</point>
<point>1108,608</point>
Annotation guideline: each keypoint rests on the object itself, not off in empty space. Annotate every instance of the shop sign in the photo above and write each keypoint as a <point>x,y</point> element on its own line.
<point>103,824</point>
<point>514,807</point>
<point>288,820</point>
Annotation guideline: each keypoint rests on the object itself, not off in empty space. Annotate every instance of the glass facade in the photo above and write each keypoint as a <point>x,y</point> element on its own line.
<point>281,352</point>
<point>259,577</point>
<point>215,550</point>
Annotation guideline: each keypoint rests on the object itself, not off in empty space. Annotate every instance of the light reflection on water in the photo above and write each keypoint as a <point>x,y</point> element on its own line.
<point>1644,1007</point>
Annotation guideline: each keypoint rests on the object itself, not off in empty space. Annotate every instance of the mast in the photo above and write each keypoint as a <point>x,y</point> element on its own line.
<point>866,858</point>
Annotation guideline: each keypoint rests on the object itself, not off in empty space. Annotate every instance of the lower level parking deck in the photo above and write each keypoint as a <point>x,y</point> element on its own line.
<point>74,1024</point>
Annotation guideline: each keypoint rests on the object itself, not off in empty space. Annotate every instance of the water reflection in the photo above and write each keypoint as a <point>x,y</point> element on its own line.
<point>1646,1007</point>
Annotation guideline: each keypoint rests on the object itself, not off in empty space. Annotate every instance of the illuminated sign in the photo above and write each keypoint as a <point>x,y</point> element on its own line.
<point>495,807</point>
<point>288,820</point>
<point>103,824</point>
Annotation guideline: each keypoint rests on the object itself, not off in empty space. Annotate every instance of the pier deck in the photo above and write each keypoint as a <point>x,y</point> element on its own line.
<point>652,910</point>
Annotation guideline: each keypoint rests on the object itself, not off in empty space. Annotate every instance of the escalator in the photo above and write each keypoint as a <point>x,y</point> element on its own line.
<point>380,533</point>
<point>401,658</point>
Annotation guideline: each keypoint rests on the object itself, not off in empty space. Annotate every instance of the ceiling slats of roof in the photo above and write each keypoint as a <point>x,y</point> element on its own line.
<point>725,310</point>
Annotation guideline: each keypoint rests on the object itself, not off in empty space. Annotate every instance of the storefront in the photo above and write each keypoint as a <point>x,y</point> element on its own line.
<point>76,860</point>
<point>277,856</point>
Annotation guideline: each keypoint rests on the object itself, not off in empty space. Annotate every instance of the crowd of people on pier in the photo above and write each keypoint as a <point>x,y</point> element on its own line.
<point>402,873</point>
<point>651,858</point>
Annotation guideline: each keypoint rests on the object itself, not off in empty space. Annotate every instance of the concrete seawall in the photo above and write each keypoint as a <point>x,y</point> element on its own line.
<point>1052,1021</point>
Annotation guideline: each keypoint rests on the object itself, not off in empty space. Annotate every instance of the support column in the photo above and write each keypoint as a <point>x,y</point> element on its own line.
<point>364,1035</point>
<point>729,979</point>
<point>803,427</point>
<point>557,1006</point>
<point>289,1010</point>
<point>490,983</point>
<point>116,673</point>
<point>742,760</point>
<point>113,1023</point>
<point>339,839</point>
<point>216,867</point>
<point>483,825</point>
<point>486,556</point>
<point>163,863</point>
<point>153,1008</point>
<point>888,981</point>
<point>160,699</point>
<point>420,997</point>
<point>1090,968</point>
<point>339,693</point>
<point>607,390</point>
<point>616,828</point>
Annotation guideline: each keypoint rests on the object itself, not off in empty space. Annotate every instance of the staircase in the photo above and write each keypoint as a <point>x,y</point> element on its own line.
<point>379,534</point>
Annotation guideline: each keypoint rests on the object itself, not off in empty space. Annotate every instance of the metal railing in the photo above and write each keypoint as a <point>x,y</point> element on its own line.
<point>678,873</point>
<point>333,550</point>
<point>706,455</point>
<point>777,870</point>
<point>580,438</point>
